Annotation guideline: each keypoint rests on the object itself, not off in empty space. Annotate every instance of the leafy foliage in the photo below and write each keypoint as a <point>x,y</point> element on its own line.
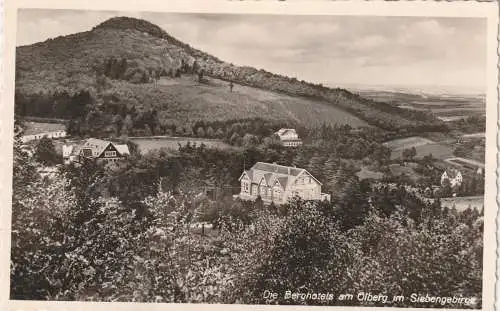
<point>46,153</point>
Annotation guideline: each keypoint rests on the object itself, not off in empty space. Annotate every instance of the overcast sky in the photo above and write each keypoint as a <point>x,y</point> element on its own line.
<point>404,51</point>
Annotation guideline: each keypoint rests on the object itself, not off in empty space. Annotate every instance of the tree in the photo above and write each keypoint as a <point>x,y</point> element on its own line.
<point>117,123</point>
<point>24,172</point>
<point>200,75</point>
<point>413,152</point>
<point>122,69</point>
<point>235,139</point>
<point>302,250</point>
<point>46,153</point>
<point>200,132</point>
<point>438,240</point>
<point>127,126</point>
<point>406,153</point>
<point>250,140</point>
<point>145,77</point>
<point>210,132</point>
<point>352,204</point>
<point>39,231</point>
<point>219,133</point>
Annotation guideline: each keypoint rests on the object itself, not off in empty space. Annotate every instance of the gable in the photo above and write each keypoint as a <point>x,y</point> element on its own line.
<point>262,181</point>
<point>277,184</point>
<point>111,149</point>
<point>306,175</point>
<point>244,176</point>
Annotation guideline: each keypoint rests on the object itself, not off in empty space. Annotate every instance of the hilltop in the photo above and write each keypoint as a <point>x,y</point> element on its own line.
<point>133,66</point>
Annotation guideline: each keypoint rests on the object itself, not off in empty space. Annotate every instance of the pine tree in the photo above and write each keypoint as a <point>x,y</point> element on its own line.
<point>46,153</point>
<point>127,126</point>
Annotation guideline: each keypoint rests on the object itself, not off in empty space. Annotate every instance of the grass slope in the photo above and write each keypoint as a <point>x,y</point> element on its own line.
<point>184,100</point>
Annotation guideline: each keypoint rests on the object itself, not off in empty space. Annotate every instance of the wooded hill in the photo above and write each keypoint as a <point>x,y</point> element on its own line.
<point>119,61</point>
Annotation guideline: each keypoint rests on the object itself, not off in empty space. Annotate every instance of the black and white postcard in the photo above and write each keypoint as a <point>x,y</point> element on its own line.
<point>249,155</point>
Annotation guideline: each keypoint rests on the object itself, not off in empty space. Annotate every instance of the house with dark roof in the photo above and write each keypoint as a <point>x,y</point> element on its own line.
<point>93,148</point>
<point>277,184</point>
<point>289,137</point>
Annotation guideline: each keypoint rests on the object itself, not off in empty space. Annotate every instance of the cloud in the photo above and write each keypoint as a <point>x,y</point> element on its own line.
<point>430,28</point>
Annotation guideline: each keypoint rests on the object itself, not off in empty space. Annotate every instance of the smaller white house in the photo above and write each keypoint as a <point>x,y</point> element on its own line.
<point>289,137</point>
<point>453,176</point>
<point>68,155</point>
<point>38,136</point>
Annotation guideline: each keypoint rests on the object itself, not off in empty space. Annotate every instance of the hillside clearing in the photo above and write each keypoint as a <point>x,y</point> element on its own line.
<point>184,100</point>
<point>172,143</point>
<point>408,142</point>
<point>39,127</point>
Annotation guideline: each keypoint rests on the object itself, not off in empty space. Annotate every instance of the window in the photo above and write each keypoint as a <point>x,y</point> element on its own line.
<point>109,154</point>
<point>277,194</point>
<point>254,190</point>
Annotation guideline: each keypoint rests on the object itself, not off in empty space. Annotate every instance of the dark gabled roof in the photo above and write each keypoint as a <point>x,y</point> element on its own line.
<point>97,145</point>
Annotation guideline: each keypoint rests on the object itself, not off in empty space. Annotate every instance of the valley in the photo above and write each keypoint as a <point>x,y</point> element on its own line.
<point>444,105</point>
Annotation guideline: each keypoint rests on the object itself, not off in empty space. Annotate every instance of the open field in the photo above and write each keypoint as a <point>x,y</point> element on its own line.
<point>452,118</point>
<point>467,163</point>
<point>474,135</point>
<point>462,203</point>
<point>438,151</point>
<point>366,173</point>
<point>397,170</point>
<point>423,146</point>
<point>408,142</point>
<point>147,144</point>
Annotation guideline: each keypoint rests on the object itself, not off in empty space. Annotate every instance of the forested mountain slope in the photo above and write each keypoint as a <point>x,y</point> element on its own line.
<point>134,64</point>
